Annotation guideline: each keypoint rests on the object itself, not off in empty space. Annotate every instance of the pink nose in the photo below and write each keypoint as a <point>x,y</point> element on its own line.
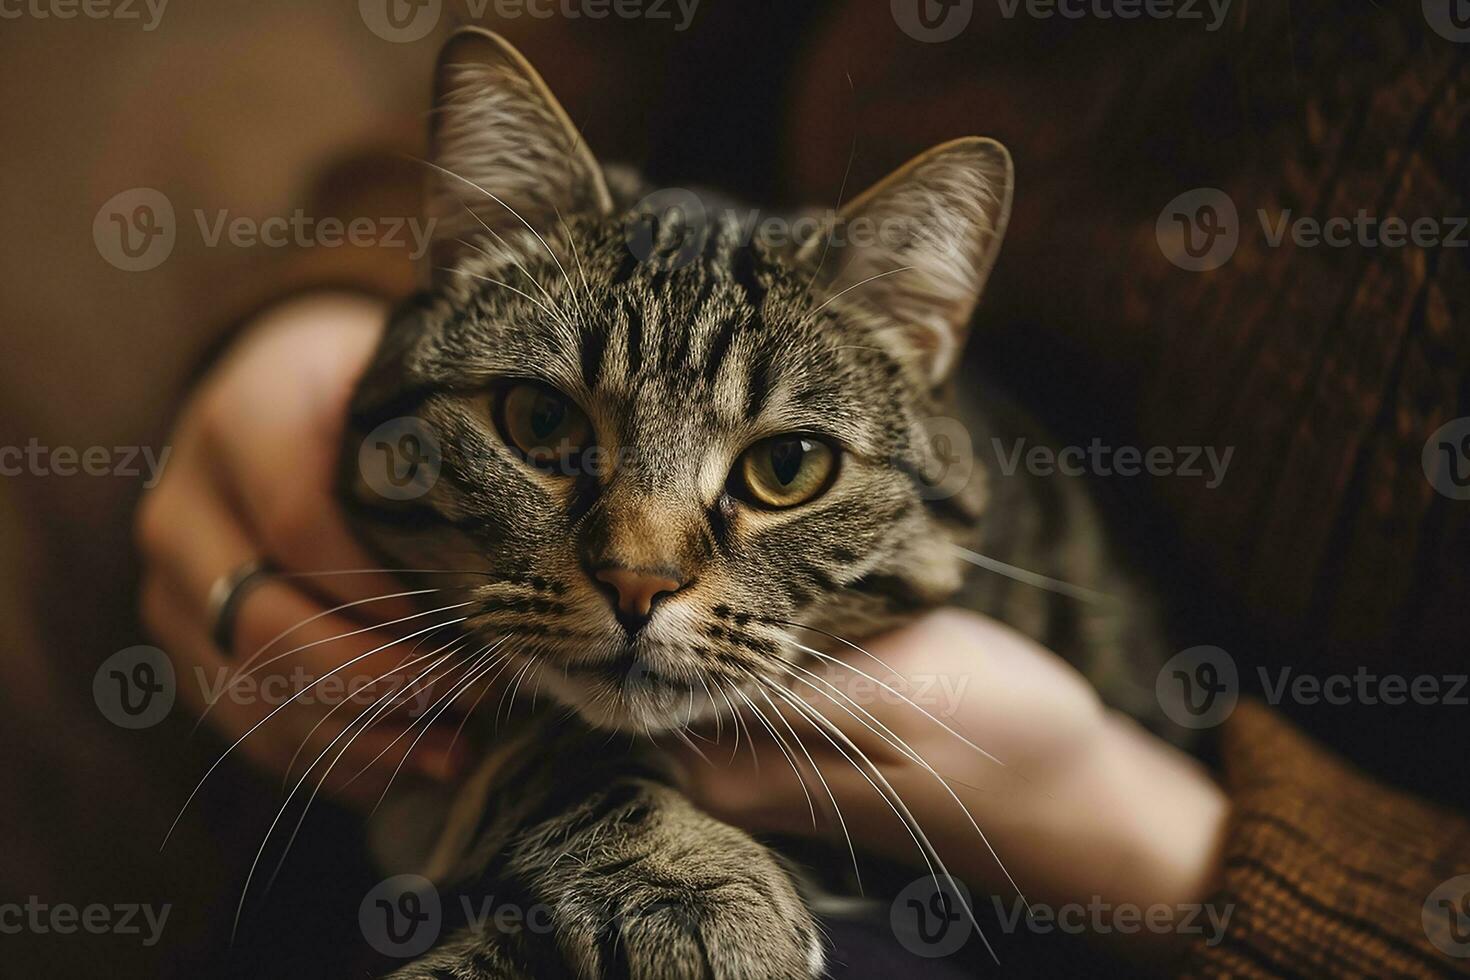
<point>636,589</point>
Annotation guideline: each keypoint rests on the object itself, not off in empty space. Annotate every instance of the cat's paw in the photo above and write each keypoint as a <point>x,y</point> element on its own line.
<point>467,956</point>
<point>667,893</point>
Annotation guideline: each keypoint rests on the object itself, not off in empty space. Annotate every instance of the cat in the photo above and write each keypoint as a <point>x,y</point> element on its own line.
<point>676,462</point>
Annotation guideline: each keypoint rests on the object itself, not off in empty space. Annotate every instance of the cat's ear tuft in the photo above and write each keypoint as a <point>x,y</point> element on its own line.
<point>912,253</point>
<point>503,150</point>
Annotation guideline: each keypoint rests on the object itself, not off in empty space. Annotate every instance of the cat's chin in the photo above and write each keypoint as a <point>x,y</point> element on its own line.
<point>637,701</point>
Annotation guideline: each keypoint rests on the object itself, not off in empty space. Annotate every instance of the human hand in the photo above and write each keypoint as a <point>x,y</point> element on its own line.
<point>1087,805</point>
<point>252,476</point>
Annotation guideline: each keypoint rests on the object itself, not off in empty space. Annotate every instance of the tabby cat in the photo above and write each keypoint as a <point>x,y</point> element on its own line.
<point>662,444</point>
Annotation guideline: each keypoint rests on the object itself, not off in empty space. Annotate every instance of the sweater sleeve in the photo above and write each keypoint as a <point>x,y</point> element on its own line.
<point>1328,873</point>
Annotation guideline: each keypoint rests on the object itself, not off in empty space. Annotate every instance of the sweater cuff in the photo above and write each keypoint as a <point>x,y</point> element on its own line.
<point>1326,872</point>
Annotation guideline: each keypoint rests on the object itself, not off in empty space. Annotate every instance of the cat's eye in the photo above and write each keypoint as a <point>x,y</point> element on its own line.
<point>785,470</point>
<point>544,426</point>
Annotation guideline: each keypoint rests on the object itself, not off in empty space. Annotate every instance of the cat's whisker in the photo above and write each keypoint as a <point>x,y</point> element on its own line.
<point>858,670</point>
<point>254,865</point>
<point>781,744</point>
<point>485,661</point>
<point>401,665</point>
<point>836,807</point>
<point>555,315</point>
<point>903,746</point>
<point>843,292</point>
<point>282,707</point>
<point>829,730</point>
<point>381,707</point>
<point>509,253</point>
<point>513,211</point>
<point>504,662</point>
<point>577,257</point>
<point>1034,579</point>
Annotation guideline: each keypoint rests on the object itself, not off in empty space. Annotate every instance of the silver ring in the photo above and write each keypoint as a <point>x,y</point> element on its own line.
<point>225,596</point>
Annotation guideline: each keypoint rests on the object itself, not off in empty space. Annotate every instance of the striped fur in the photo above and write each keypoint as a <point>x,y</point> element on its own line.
<point>682,357</point>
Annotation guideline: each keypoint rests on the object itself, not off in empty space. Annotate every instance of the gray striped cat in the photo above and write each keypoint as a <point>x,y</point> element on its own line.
<point>675,458</point>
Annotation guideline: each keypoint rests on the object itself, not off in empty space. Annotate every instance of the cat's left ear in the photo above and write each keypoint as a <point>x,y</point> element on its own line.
<point>914,251</point>
<point>503,149</point>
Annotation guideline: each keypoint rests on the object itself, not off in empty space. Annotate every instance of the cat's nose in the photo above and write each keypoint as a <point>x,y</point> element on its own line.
<point>636,590</point>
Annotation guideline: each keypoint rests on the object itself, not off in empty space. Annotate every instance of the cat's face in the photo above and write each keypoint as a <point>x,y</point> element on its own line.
<point>661,467</point>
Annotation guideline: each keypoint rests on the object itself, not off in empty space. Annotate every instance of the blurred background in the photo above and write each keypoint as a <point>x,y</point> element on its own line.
<point>1326,368</point>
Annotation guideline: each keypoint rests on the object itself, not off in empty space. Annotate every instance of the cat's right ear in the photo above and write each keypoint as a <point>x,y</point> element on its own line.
<point>503,153</point>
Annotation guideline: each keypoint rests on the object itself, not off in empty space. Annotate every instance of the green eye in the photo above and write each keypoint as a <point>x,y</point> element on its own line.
<point>786,470</point>
<point>544,425</point>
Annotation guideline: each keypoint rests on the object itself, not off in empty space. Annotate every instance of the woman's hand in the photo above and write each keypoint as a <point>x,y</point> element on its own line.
<point>1087,806</point>
<point>252,476</point>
